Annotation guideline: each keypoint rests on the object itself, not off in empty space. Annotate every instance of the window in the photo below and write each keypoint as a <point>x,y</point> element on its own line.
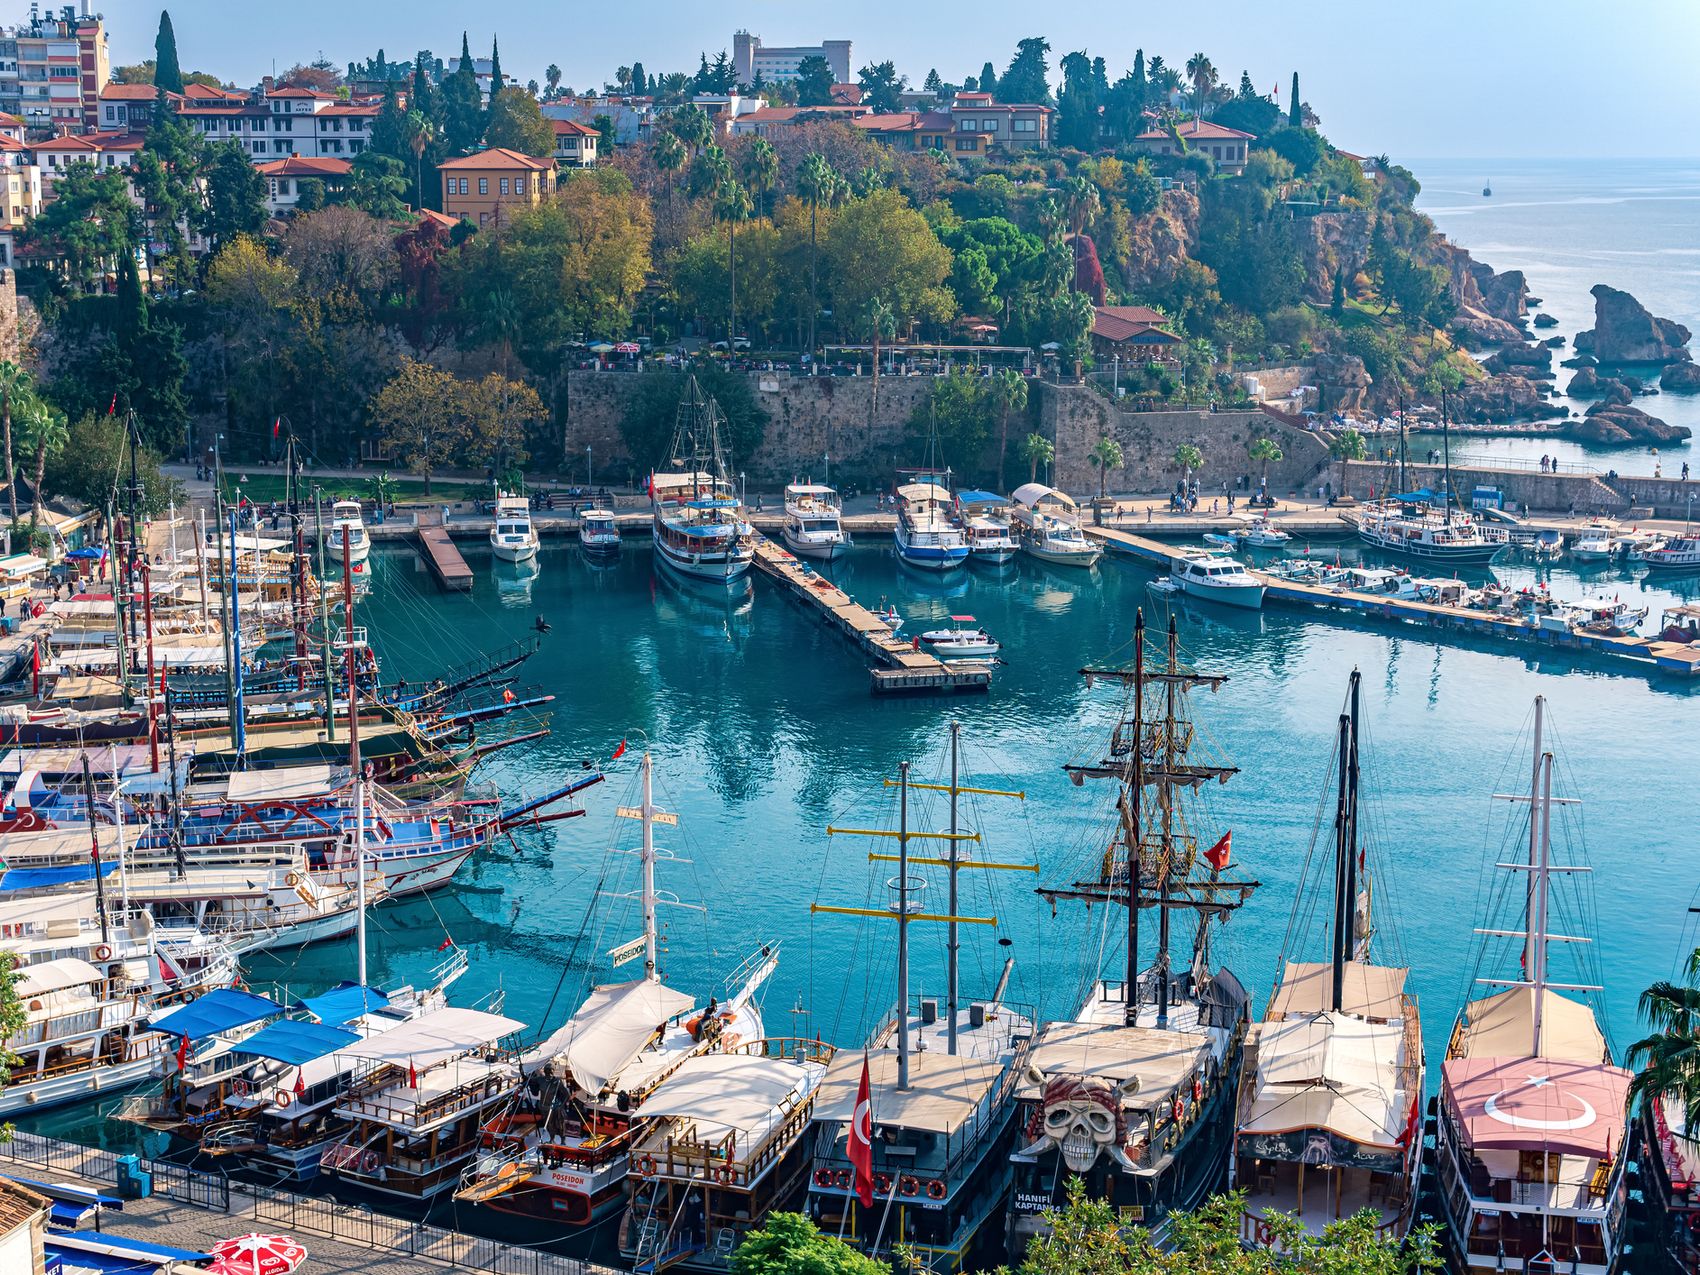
<point>989,126</point>
<point>483,185</point>
<point>968,126</point>
<point>504,185</point>
<point>1024,126</point>
<point>967,143</point>
<point>259,148</point>
<point>283,187</point>
<point>463,184</point>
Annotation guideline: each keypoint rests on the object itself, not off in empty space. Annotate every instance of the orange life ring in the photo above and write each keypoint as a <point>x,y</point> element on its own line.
<point>646,1166</point>
<point>283,1098</point>
<point>1177,1109</point>
<point>1197,1090</point>
<point>935,1189</point>
<point>102,952</point>
<point>882,1183</point>
<point>724,1175</point>
<point>908,1184</point>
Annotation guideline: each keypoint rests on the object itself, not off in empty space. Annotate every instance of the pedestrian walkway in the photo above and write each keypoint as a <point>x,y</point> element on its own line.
<point>195,1210</point>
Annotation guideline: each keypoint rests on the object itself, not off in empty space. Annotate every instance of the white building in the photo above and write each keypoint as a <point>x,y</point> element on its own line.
<point>284,178</point>
<point>575,143</point>
<point>277,123</point>
<point>750,56</point>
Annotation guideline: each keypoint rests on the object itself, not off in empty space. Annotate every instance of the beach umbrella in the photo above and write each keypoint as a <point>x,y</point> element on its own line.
<point>255,1254</point>
<point>628,347</point>
<point>601,347</point>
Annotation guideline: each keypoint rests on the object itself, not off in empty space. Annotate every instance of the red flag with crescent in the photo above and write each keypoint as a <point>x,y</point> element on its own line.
<point>862,1139</point>
<point>1219,854</point>
<point>620,751</point>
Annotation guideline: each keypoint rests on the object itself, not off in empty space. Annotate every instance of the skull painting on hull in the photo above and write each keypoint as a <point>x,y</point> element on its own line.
<point>1082,1117</point>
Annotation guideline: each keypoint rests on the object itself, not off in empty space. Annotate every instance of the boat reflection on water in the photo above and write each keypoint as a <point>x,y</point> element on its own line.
<point>710,608</point>
<point>928,583</point>
<point>1205,616</point>
<point>514,580</point>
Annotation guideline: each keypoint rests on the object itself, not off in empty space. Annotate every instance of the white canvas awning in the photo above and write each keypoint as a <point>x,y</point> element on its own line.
<point>1032,495</point>
<point>1329,1071</point>
<point>1503,1026</point>
<point>279,785</point>
<point>914,493</point>
<point>445,1033</point>
<point>1161,1059</point>
<point>745,1092</point>
<point>56,976</point>
<point>943,1092</point>
<point>1369,991</point>
<point>610,1029</point>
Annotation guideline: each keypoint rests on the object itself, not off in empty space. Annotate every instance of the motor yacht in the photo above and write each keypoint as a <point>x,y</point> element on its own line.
<point>813,523</point>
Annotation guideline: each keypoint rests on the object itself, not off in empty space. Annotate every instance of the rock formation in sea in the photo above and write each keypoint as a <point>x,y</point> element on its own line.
<point>1624,332</point>
<point>1615,423</point>
<point>1533,361</point>
<point>1680,377</point>
<point>1507,397</point>
<point>1545,321</point>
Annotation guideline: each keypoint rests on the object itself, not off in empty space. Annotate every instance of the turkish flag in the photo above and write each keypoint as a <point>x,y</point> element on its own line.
<point>183,1054</point>
<point>445,945</point>
<point>300,1082</point>
<point>277,427</point>
<point>412,1075</point>
<point>862,1140</point>
<point>620,751</point>
<point>1219,854</point>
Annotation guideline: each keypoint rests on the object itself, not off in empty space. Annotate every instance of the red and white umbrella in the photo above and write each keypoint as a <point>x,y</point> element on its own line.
<point>255,1254</point>
<point>628,347</point>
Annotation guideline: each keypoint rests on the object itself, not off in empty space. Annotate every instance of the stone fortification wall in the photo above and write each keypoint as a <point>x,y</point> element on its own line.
<point>1546,493</point>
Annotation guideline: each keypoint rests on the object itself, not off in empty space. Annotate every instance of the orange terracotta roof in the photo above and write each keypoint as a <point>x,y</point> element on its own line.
<point>891,122</point>
<point>572,128</point>
<point>1194,130</point>
<point>93,142</point>
<point>1124,322</point>
<point>300,92</point>
<point>498,157</point>
<point>441,219</point>
<point>346,109</point>
<point>206,92</point>
<point>303,166</point>
<point>129,93</point>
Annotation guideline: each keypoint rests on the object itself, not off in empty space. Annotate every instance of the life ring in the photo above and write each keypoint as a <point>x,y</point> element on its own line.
<point>102,952</point>
<point>240,1087</point>
<point>724,1175</point>
<point>293,880</point>
<point>1197,1090</point>
<point>935,1189</point>
<point>369,1161</point>
<point>646,1166</point>
<point>908,1184</point>
<point>1260,1232</point>
<point>841,1178</point>
<point>823,1177</point>
<point>1176,1109</point>
<point>283,1098</point>
<point>882,1183</point>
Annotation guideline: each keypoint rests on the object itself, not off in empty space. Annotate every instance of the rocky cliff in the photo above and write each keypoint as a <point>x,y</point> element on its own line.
<point>1492,304</point>
<point>1625,332</point>
<point>1162,242</point>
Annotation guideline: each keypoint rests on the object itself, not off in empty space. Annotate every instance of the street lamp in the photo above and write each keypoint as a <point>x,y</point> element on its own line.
<point>589,468</point>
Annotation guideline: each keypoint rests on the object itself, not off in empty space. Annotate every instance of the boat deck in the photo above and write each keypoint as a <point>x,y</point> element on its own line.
<point>899,667</point>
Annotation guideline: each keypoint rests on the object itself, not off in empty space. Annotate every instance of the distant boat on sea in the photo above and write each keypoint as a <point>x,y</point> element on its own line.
<point>1487,190</point>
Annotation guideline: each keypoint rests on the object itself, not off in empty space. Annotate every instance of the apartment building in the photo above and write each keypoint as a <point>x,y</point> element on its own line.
<point>483,187</point>
<point>273,123</point>
<point>52,69</point>
<point>751,57</point>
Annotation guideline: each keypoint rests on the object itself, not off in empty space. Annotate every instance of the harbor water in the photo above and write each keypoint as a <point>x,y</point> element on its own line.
<point>764,734</point>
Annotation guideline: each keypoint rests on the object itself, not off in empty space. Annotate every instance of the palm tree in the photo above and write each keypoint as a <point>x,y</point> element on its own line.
<point>16,390</point>
<point>623,77</point>
<point>1669,1059</point>
<point>1347,445</point>
<point>1080,198</point>
<point>1009,388</point>
<point>1266,452</point>
<point>732,205</point>
<point>882,322</point>
<point>692,126</point>
<point>1203,76</point>
<point>552,77</point>
<point>817,183</point>
<point>1037,450</point>
<point>1106,454</point>
<point>45,432</point>
<point>420,133</point>
<point>383,492</point>
<point>669,155</point>
<point>1189,458</point>
<point>761,169</point>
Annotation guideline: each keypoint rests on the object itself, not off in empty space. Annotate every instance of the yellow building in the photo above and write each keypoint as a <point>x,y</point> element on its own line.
<point>481,187</point>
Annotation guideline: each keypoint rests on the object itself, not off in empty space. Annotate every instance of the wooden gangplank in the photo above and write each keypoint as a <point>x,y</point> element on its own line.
<point>444,559</point>
<point>899,667</point>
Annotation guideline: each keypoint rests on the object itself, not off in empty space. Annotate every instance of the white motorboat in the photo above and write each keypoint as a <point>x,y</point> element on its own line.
<point>1634,545</point>
<point>813,523</point>
<point>927,535</point>
<point>1679,553</point>
<point>1594,543</point>
<point>1218,578</point>
<point>1222,539</point>
<point>888,614</point>
<point>1164,585</point>
<point>1380,582</point>
<point>961,642</point>
<point>512,537</point>
<point>598,532</point>
<point>985,518</point>
<point>1047,523</point>
<point>1611,617</point>
<point>345,517</point>
<point>1298,570</point>
<point>1260,533</point>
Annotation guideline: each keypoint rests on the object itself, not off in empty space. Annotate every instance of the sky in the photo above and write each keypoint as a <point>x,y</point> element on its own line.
<point>1446,78</point>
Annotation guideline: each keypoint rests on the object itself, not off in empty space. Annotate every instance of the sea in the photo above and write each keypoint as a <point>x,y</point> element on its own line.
<point>1569,224</point>
<point>765,738</point>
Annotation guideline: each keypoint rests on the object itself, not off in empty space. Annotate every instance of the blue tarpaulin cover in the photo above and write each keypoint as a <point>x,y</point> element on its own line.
<point>69,1201</point>
<point>343,1004</point>
<point>980,498</point>
<point>1413,497</point>
<point>105,1252</point>
<point>85,554</point>
<point>289,1040</point>
<point>41,878</point>
<point>217,1011</point>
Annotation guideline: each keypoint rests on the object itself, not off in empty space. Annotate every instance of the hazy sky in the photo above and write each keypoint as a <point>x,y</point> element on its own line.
<point>1443,78</point>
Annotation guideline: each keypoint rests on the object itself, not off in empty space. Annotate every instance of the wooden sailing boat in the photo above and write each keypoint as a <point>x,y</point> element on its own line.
<point>941,1092</point>
<point>1530,1155</point>
<point>1330,1105</point>
<point>1135,1094</point>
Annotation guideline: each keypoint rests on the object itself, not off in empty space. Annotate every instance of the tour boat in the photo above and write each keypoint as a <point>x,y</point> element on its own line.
<point>1134,1095</point>
<point>1260,533</point>
<point>941,1083</point>
<point>1532,1147</point>
<point>562,1151</point>
<point>1298,570</point>
<point>1047,523</point>
<point>1679,553</point>
<point>813,526</point>
<point>598,532</point>
<point>985,518</point>
<point>1217,578</point>
<point>345,518</point>
<point>960,642</point>
<point>699,525</point>
<point>512,537</point>
<point>1330,1113</point>
<point>1594,543</point>
<point>1634,545</point>
<point>926,534</point>
<point>1412,526</point>
<point>1612,617</point>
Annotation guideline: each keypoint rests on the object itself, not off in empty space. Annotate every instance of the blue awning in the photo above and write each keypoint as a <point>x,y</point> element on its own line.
<point>1412,497</point>
<point>67,1195</point>
<point>217,1011</point>
<point>980,498</point>
<point>343,1004</point>
<point>292,1041</point>
<point>46,878</point>
<point>86,554</point>
<point>116,1253</point>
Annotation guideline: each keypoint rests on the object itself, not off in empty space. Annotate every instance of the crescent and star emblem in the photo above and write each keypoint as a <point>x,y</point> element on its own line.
<point>863,1120</point>
<point>1491,1107</point>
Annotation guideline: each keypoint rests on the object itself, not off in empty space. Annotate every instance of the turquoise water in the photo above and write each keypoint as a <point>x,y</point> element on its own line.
<point>764,732</point>
<point>1568,225</point>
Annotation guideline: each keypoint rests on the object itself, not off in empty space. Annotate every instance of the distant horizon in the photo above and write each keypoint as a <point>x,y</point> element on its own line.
<point>1498,75</point>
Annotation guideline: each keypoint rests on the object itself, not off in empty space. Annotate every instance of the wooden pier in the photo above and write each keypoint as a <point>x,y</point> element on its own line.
<point>444,559</point>
<point>899,667</point>
<point>1676,658</point>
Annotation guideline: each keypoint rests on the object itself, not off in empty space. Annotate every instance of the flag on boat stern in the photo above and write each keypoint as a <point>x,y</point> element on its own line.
<point>862,1140</point>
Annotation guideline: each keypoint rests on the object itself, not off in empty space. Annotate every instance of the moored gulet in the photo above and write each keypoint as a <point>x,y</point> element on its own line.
<point>1530,1155</point>
<point>1135,1094</point>
<point>1331,1095</point>
<point>562,1152</point>
<point>699,525</point>
<point>940,1091</point>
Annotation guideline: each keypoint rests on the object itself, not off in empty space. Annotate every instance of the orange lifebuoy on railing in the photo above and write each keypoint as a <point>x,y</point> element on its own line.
<point>908,1184</point>
<point>725,1174</point>
<point>240,1087</point>
<point>646,1166</point>
<point>882,1183</point>
<point>935,1189</point>
<point>1197,1090</point>
<point>282,1098</point>
<point>1177,1109</point>
<point>102,952</point>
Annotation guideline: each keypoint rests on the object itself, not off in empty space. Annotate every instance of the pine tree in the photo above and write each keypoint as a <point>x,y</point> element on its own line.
<point>167,74</point>
<point>422,98</point>
<point>1295,113</point>
<point>495,68</point>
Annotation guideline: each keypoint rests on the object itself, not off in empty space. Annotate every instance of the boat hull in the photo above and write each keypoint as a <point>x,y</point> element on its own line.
<point>720,567</point>
<point>992,557</point>
<point>601,546</point>
<point>1457,555</point>
<point>929,558</point>
<point>1064,557</point>
<point>816,550</point>
<point>57,1091</point>
<point>356,552</point>
<point>1245,597</point>
<point>515,553</point>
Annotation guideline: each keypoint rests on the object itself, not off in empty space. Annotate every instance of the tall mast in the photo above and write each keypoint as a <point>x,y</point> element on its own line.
<point>94,851</point>
<point>325,616</point>
<point>903,925</point>
<point>239,727</point>
<point>1543,877</point>
<point>360,875</point>
<point>1353,848</point>
<point>1446,454</point>
<point>1342,854</point>
<point>1534,840</point>
<point>649,959</point>
<point>354,761</point>
<point>951,944</point>
<point>1166,811</point>
<point>1132,797</point>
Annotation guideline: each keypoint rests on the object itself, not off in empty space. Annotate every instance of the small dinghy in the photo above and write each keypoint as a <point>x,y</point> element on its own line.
<point>1164,584</point>
<point>961,643</point>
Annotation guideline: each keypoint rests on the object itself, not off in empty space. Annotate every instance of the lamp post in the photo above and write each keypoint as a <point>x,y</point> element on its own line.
<point>589,468</point>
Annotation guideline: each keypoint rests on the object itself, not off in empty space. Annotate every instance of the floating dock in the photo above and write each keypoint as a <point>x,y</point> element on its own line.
<point>899,668</point>
<point>1676,658</point>
<point>444,559</point>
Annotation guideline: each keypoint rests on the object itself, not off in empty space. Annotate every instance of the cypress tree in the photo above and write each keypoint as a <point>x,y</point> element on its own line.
<point>421,99</point>
<point>132,304</point>
<point>495,69</point>
<point>167,74</point>
<point>640,82</point>
<point>1295,115</point>
<point>465,55</point>
<point>988,79</point>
